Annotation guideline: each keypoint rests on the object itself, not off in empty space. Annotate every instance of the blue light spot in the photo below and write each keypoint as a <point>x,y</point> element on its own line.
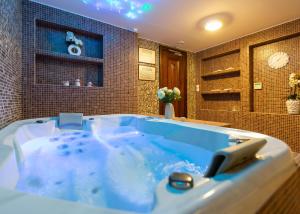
<point>129,8</point>
<point>131,15</point>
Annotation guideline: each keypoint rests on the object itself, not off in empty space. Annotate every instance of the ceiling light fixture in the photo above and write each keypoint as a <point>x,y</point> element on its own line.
<point>213,25</point>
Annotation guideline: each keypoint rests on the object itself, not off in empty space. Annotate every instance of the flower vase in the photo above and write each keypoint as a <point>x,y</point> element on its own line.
<point>169,111</point>
<point>293,106</point>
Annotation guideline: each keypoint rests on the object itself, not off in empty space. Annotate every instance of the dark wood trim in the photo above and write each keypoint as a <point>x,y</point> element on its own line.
<point>184,54</point>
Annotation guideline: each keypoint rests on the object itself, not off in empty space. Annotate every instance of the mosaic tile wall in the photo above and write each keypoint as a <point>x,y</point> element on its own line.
<point>147,100</point>
<point>275,89</point>
<point>191,85</point>
<point>119,91</point>
<point>260,110</point>
<point>10,61</point>
<point>227,81</point>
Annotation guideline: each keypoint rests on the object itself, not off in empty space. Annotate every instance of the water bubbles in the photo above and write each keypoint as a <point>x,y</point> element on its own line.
<point>80,167</point>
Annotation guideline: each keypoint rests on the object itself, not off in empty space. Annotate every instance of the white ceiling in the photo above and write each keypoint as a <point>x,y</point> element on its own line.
<point>172,21</point>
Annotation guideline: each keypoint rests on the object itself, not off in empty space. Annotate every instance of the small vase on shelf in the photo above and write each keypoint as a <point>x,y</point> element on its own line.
<point>293,106</point>
<point>66,83</point>
<point>169,111</point>
<point>293,100</point>
<point>89,84</point>
<point>77,82</point>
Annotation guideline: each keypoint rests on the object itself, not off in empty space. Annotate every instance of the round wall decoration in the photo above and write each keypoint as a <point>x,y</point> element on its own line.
<point>278,60</point>
<point>74,50</point>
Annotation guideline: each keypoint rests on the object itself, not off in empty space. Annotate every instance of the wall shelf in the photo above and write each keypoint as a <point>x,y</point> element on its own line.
<point>234,51</point>
<point>53,63</point>
<point>221,72</point>
<point>66,87</point>
<point>232,91</point>
<point>67,57</point>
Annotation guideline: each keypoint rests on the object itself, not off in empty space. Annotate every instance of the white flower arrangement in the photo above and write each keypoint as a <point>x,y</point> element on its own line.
<point>168,95</point>
<point>294,82</point>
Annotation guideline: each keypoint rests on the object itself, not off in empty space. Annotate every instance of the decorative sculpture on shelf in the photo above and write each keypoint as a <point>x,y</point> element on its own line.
<point>75,44</point>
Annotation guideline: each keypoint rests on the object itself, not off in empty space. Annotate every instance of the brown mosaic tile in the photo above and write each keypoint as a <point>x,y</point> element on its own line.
<point>147,100</point>
<point>147,90</point>
<point>264,110</point>
<point>43,94</point>
<point>10,61</point>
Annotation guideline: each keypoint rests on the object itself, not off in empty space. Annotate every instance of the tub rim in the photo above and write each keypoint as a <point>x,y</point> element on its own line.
<point>278,150</point>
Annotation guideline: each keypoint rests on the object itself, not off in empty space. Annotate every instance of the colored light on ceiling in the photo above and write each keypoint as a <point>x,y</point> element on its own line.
<point>129,8</point>
<point>213,25</point>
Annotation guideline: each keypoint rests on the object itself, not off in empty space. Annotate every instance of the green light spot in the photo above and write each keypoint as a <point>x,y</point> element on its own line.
<point>147,7</point>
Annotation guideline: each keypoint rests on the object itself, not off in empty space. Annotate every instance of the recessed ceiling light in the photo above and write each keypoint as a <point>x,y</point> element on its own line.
<point>213,25</point>
<point>135,29</point>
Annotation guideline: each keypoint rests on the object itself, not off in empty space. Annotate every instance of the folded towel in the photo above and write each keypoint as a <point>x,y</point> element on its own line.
<point>230,157</point>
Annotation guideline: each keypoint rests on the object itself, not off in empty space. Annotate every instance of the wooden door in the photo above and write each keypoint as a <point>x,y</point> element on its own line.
<point>173,73</point>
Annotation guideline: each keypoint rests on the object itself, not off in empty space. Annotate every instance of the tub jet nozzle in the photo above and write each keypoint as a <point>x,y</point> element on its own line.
<point>181,181</point>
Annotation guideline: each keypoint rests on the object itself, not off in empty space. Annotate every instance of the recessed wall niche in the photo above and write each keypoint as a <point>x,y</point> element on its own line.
<point>53,63</point>
<point>220,81</point>
<point>271,98</point>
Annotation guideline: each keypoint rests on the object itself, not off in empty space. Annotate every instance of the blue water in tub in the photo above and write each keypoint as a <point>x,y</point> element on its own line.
<point>119,169</point>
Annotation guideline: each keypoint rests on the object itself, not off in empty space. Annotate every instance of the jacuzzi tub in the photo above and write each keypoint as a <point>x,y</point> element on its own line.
<point>120,164</point>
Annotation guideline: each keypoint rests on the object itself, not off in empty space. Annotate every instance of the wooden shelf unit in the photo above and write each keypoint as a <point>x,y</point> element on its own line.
<point>53,63</point>
<point>221,72</point>
<point>232,91</point>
